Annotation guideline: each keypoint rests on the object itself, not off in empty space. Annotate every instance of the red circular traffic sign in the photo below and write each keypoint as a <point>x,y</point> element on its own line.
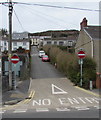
<point>15,59</point>
<point>81,54</point>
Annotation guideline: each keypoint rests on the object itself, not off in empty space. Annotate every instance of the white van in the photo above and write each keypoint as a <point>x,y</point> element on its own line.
<point>41,53</point>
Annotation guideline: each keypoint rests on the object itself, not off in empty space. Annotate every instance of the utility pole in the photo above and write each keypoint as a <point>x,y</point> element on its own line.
<point>10,43</point>
<point>51,36</point>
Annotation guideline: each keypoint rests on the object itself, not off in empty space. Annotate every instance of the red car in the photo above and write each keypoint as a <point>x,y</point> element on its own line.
<point>45,58</point>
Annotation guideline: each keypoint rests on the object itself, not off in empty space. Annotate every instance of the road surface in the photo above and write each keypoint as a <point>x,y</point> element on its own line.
<point>53,96</point>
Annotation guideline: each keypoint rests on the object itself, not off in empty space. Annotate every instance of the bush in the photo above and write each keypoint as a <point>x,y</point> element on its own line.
<point>53,54</point>
<point>46,48</point>
<point>89,72</point>
<point>74,73</point>
<point>67,63</point>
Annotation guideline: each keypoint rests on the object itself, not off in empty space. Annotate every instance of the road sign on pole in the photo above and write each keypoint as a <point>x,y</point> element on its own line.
<point>81,63</point>
<point>81,54</point>
<point>14,59</point>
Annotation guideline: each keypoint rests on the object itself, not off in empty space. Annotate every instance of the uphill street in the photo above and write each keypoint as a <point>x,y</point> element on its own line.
<point>52,94</point>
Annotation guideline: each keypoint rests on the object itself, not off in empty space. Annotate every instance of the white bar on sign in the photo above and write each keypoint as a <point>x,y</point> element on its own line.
<point>15,59</point>
<point>81,54</point>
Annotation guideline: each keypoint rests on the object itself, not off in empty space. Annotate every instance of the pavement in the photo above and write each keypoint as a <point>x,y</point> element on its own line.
<point>15,96</point>
<point>97,91</point>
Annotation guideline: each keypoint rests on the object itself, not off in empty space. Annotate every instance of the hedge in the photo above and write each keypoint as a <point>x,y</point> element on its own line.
<point>67,63</point>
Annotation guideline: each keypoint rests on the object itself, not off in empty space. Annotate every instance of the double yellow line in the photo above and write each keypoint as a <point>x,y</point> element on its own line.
<point>26,101</point>
<point>30,97</point>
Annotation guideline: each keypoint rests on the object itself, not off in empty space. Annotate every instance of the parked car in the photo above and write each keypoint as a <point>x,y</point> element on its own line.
<point>41,53</point>
<point>45,58</point>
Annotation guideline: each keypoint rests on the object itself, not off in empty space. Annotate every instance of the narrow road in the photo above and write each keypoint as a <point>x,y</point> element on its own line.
<point>55,96</point>
<point>42,70</point>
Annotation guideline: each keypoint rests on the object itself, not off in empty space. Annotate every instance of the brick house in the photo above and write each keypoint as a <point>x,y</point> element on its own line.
<point>90,41</point>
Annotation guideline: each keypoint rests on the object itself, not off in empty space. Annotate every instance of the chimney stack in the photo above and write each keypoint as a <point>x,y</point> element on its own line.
<point>83,23</point>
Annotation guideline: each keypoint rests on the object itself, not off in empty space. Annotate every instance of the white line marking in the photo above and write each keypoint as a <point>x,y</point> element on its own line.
<point>3,111</point>
<point>20,110</point>
<point>82,108</point>
<point>82,100</point>
<point>97,107</point>
<point>62,109</point>
<point>42,109</point>
<point>73,100</point>
<point>60,90</point>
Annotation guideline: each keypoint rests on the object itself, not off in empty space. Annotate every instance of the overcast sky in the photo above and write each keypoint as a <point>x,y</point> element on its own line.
<point>34,18</point>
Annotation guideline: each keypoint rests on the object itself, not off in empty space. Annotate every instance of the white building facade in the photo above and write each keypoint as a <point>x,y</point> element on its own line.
<point>15,45</point>
<point>18,40</point>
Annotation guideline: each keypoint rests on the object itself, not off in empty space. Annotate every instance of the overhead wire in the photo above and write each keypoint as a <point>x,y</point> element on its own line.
<point>47,16</point>
<point>43,5</point>
<point>16,17</point>
<point>53,6</point>
<point>55,18</point>
<point>40,14</point>
<point>18,20</point>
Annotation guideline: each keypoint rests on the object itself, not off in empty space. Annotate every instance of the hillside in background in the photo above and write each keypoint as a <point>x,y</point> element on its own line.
<point>57,33</point>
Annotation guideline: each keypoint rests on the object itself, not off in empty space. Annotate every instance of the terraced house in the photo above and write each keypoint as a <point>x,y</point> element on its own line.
<point>90,41</point>
<point>18,40</point>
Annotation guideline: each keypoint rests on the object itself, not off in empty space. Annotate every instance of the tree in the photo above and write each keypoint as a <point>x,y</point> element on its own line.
<point>3,32</point>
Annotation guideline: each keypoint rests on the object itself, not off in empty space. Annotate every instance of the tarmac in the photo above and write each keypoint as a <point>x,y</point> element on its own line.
<point>22,91</point>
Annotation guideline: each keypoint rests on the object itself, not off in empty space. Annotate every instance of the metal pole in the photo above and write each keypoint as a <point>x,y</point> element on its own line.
<point>81,62</point>
<point>14,78</point>
<point>10,43</point>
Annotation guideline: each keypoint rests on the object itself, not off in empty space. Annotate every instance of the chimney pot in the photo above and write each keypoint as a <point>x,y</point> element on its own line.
<point>83,23</point>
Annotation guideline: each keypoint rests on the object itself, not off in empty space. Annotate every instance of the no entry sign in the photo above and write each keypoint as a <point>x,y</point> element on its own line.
<point>15,59</point>
<point>81,54</point>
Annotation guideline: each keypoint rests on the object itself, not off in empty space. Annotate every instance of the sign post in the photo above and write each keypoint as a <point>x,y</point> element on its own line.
<point>81,55</point>
<point>14,60</point>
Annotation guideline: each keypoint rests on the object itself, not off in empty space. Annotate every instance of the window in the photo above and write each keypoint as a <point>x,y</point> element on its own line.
<point>24,43</point>
<point>5,48</point>
<point>15,44</point>
<point>61,43</point>
<point>48,42</point>
<point>70,43</point>
<point>15,48</point>
<point>5,43</point>
<point>55,43</point>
